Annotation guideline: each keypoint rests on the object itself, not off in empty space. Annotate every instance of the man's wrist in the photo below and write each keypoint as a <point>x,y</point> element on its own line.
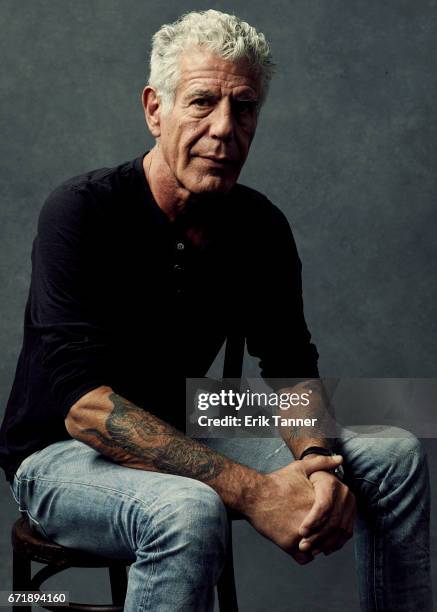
<point>320,450</point>
<point>300,444</point>
<point>251,485</point>
<point>316,450</point>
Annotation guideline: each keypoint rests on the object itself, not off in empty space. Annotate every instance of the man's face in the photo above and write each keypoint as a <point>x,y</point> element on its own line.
<point>205,138</point>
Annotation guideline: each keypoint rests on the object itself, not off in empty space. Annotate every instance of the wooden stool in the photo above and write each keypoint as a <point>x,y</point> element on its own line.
<point>28,545</point>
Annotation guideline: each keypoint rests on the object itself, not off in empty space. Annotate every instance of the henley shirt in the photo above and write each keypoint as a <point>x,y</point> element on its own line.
<point>120,297</point>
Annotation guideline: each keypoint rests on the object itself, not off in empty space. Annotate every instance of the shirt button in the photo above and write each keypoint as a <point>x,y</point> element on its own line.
<point>180,246</point>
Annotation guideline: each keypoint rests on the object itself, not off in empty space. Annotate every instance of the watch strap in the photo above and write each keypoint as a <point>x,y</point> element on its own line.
<point>316,450</point>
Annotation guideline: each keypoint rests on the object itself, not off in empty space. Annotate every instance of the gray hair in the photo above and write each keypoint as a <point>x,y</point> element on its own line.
<point>223,34</point>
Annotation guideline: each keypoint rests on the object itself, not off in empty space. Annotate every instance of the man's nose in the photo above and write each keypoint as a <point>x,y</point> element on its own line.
<point>222,122</point>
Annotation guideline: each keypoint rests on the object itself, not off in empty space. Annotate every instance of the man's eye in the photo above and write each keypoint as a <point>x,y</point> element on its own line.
<point>202,102</point>
<point>243,107</point>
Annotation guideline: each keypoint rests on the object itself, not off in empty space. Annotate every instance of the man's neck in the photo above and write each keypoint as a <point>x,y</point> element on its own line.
<point>172,198</point>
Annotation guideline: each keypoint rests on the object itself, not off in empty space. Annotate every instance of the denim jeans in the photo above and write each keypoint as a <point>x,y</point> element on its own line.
<point>175,529</point>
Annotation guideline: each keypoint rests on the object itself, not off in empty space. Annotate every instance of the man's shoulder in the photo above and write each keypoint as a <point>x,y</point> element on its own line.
<point>245,194</point>
<point>255,205</point>
<point>100,180</point>
<point>87,193</point>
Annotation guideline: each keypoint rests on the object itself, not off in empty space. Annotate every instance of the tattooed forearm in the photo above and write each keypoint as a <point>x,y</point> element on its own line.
<point>145,440</point>
<point>322,432</point>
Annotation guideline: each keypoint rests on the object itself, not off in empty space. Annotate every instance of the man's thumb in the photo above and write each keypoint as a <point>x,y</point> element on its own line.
<point>314,463</point>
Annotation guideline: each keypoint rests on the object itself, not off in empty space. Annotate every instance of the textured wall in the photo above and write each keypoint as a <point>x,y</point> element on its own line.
<point>346,147</point>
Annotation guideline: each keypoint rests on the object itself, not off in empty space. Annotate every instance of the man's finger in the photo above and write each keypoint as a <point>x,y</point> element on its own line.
<point>315,520</point>
<point>316,463</point>
<point>321,509</point>
<point>302,558</point>
<point>316,540</point>
<point>324,539</point>
<point>332,542</point>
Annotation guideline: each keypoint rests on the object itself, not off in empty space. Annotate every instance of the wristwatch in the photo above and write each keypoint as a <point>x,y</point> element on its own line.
<point>319,450</point>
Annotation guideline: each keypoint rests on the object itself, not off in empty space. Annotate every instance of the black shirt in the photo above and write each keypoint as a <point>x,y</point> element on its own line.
<point>120,297</point>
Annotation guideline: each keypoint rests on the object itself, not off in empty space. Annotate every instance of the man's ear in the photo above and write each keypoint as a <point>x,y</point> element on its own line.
<point>152,110</point>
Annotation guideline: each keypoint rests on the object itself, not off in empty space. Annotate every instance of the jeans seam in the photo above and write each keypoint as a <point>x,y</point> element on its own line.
<point>23,510</point>
<point>85,484</point>
<point>378,566</point>
<point>374,571</point>
<point>147,589</point>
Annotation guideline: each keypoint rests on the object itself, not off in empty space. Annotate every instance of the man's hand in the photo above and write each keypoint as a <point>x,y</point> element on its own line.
<point>330,522</point>
<point>276,503</point>
<point>279,503</point>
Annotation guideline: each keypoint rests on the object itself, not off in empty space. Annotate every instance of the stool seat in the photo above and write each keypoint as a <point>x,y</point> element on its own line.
<point>28,542</point>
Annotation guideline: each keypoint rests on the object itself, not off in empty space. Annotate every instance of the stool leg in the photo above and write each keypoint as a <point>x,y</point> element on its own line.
<point>226,590</point>
<point>118,579</point>
<point>21,575</point>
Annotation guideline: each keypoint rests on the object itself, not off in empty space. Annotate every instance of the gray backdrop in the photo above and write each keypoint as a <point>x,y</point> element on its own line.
<point>346,147</point>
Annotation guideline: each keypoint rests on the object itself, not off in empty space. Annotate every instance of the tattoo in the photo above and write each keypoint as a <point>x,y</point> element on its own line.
<point>157,445</point>
<point>317,409</point>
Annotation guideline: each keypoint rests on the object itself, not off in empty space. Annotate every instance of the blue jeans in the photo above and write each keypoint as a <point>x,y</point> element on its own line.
<point>175,529</point>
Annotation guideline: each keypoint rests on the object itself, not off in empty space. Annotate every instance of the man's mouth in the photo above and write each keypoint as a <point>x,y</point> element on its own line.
<point>219,160</point>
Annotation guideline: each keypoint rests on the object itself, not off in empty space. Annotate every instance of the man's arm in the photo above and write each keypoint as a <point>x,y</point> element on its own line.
<point>278,335</point>
<point>137,439</point>
<point>323,432</point>
<point>329,524</point>
<point>274,503</point>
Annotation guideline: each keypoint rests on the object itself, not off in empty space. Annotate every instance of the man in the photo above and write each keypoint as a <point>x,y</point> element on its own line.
<point>139,274</point>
